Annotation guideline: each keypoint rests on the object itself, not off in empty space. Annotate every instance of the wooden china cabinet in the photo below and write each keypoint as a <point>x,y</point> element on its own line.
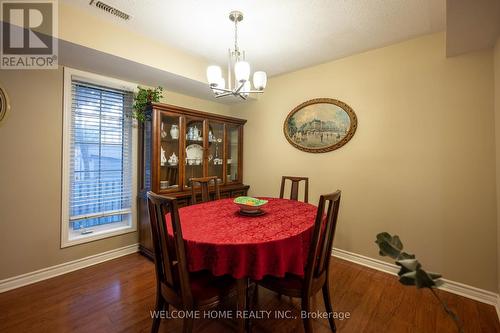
<point>178,144</point>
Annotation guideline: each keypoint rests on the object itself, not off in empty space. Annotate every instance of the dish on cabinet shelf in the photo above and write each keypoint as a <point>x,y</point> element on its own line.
<point>194,152</point>
<point>193,161</point>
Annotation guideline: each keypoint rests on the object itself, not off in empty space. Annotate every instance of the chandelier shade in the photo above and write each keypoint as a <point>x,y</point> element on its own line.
<point>222,83</point>
<point>214,74</point>
<point>242,71</point>
<point>238,71</point>
<point>259,80</point>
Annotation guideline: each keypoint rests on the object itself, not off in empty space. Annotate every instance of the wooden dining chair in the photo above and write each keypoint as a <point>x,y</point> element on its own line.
<point>294,191</point>
<point>174,284</point>
<point>204,184</point>
<point>317,271</point>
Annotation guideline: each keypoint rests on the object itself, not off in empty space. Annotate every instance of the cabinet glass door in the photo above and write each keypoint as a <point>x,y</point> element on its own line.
<point>232,153</point>
<point>169,152</point>
<point>216,150</point>
<point>194,150</point>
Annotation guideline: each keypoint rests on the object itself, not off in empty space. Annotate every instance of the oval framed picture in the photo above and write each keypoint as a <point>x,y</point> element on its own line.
<point>320,125</point>
<point>4,103</point>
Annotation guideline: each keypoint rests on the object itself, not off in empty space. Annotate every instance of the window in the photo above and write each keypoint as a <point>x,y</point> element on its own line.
<point>98,180</point>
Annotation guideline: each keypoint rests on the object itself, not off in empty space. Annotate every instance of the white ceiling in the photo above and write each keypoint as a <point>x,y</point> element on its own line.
<point>280,35</point>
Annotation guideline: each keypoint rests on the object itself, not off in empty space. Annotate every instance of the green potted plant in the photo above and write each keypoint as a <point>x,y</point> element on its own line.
<point>142,100</point>
<point>411,272</point>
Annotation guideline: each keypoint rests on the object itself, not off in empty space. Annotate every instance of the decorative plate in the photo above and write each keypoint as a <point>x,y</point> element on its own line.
<point>249,204</point>
<point>194,152</point>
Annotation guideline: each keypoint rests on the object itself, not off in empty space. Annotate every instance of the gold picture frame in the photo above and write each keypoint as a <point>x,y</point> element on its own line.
<point>320,125</point>
<point>4,103</point>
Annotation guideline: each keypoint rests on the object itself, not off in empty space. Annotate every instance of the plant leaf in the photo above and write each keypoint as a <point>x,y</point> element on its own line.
<point>409,264</point>
<point>142,101</point>
<point>389,245</point>
<point>403,270</point>
<point>404,255</point>
<point>434,276</point>
<point>396,242</point>
<point>387,249</point>
<point>408,279</point>
<point>383,236</point>
<point>423,280</point>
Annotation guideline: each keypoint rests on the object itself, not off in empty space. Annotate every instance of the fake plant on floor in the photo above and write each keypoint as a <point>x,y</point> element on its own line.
<point>411,272</point>
<point>142,99</point>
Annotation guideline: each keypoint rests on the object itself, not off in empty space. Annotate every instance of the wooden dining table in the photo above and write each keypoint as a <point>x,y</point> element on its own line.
<point>220,239</point>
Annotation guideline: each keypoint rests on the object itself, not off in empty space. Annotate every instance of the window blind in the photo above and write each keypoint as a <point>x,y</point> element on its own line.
<point>100,156</point>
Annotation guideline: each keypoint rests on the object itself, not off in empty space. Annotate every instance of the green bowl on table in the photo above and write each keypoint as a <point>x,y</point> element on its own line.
<point>250,206</point>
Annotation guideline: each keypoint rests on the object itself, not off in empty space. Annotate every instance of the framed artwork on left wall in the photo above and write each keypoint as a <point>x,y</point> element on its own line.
<point>4,103</point>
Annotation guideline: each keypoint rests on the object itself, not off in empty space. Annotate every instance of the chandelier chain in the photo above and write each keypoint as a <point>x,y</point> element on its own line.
<point>236,38</point>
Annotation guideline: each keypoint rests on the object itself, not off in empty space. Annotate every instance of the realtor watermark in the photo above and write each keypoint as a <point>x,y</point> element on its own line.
<point>29,34</point>
<point>260,314</point>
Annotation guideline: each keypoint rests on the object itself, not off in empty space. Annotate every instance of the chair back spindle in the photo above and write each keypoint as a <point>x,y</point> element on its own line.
<point>294,191</point>
<point>204,184</point>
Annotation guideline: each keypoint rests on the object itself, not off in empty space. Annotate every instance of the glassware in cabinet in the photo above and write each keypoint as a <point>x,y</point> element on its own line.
<point>194,152</point>
<point>215,157</point>
<point>169,152</point>
<point>232,153</point>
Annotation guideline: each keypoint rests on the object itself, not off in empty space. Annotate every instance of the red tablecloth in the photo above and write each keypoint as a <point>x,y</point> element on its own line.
<point>221,240</point>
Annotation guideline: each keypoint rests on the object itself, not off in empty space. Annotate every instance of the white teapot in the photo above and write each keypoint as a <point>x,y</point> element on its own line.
<point>173,159</point>
<point>196,133</point>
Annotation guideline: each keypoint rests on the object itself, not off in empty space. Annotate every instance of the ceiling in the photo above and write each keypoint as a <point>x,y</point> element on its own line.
<point>282,35</point>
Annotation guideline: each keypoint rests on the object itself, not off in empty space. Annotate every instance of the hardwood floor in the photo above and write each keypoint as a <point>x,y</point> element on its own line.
<point>117,296</point>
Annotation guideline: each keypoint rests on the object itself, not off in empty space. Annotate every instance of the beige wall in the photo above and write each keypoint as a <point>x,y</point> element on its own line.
<point>30,177</point>
<point>190,102</point>
<point>30,173</point>
<point>421,165</point>
<point>81,27</point>
<point>497,131</point>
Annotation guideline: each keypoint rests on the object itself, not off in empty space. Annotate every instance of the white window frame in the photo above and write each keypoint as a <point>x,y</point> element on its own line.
<point>71,74</point>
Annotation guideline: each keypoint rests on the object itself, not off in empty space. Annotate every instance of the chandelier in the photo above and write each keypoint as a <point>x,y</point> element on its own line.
<point>236,61</point>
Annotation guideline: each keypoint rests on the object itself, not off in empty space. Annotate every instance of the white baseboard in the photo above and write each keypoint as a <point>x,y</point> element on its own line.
<point>458,288</point>
<point>461,289</point>
<point>70,266</point>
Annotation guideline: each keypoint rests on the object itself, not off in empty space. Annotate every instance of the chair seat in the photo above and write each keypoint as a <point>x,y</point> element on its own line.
<point>206,286</point>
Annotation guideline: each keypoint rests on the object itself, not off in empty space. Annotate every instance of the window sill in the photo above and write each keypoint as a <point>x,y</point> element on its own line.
<point>76,238</point>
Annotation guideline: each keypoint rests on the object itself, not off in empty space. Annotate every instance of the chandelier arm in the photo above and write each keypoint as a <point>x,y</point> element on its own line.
<point>222,89</point>
<point>224,94</point>
<point>243,97</point>
<point>253,91</point>
<point>236,91</point>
